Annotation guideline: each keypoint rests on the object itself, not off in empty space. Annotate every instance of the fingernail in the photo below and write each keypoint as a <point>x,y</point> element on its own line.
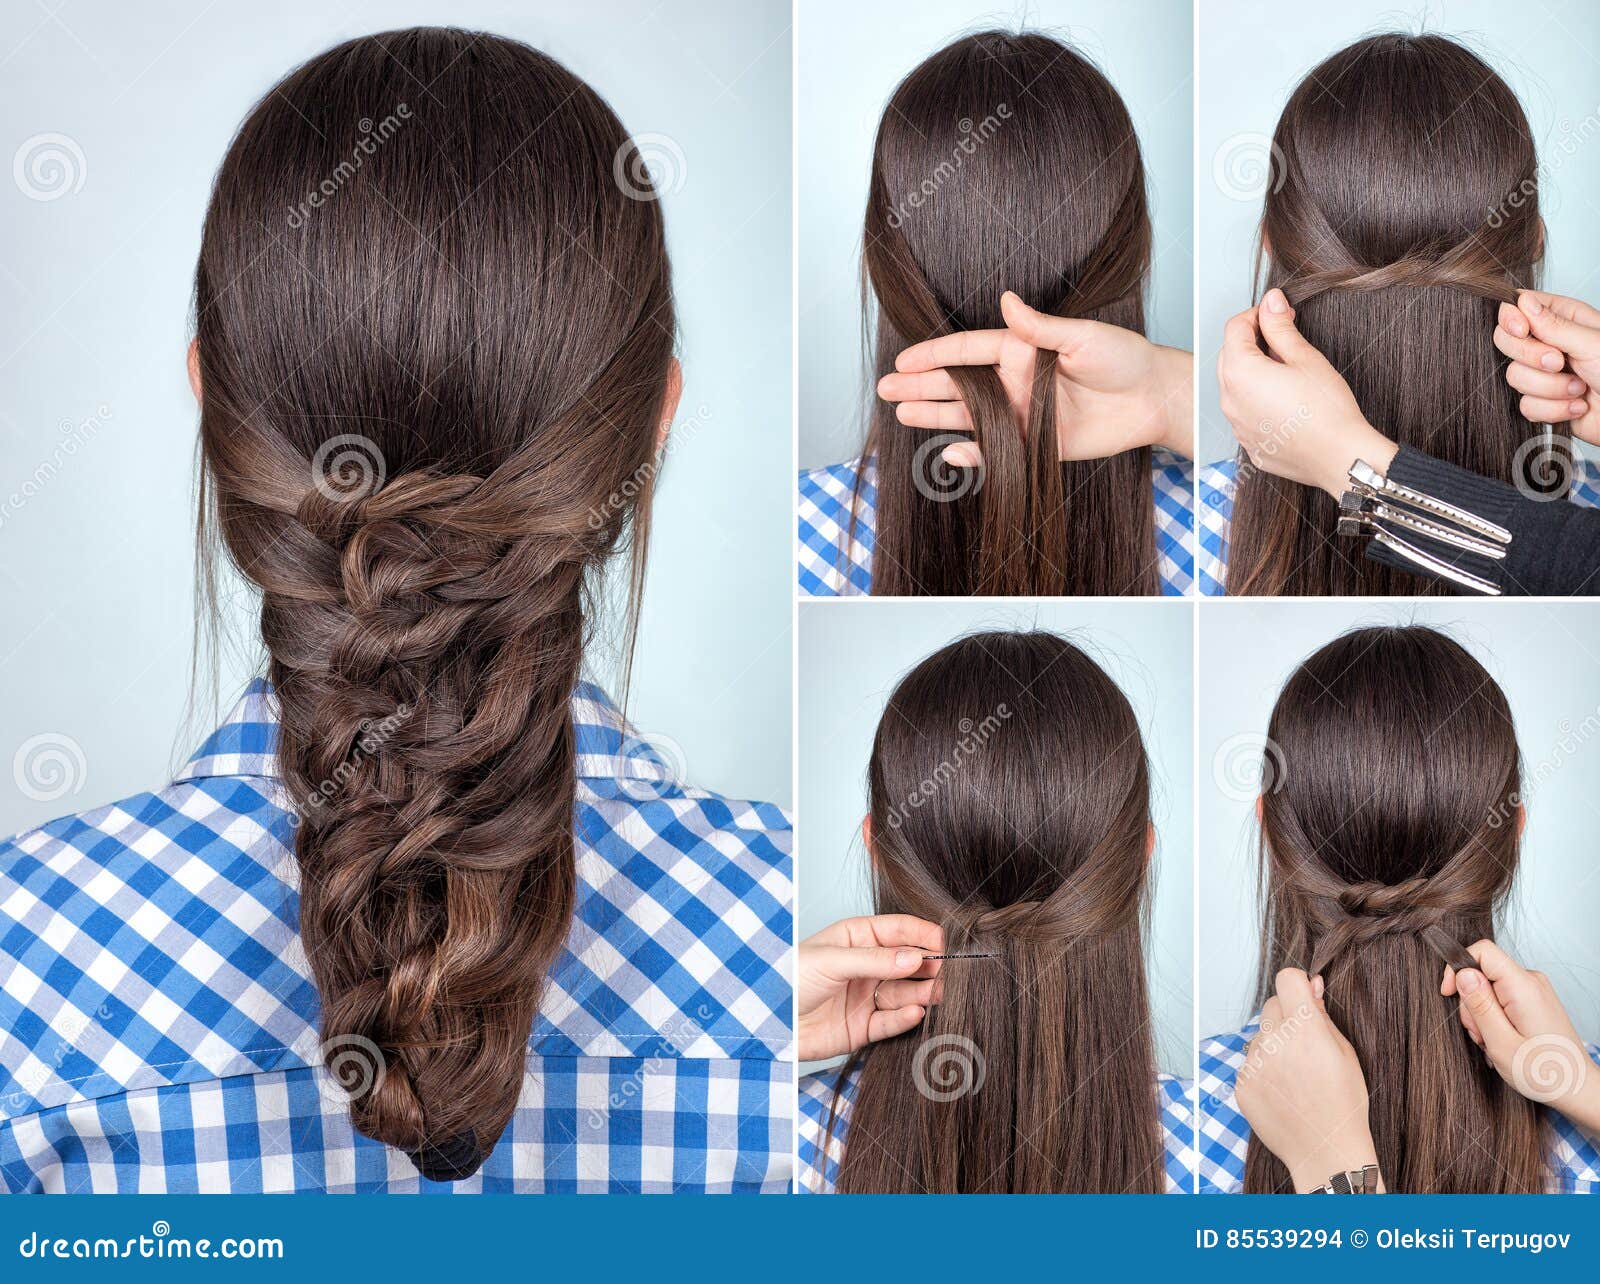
<point>1550,361</point>
<point>1574,387</point>
<point>1467,982</point>
<point>1531,306</point>
<point>904,958</point>
<point>1275,301</point>
<point>1578,407</point>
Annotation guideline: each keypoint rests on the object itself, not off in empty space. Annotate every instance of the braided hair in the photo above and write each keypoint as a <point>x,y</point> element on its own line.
<point>432,393</point>
<point>1389,839</point>
<point>1402,209</point>
<point>1009,802</point>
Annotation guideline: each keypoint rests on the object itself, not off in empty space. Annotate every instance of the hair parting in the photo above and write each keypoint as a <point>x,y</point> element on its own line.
<point>995,133</point>
<point>1389,840</point>
<point>1403,209</point>
<point>429,398</point>
<point>1020,1079</point>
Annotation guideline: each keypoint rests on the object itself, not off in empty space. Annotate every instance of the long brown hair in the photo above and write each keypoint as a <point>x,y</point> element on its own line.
<point>432,386</point>
<point>1005,162</point>
<point>1402,209</point>
<point>1010,803</point>
<point>1389,839</point>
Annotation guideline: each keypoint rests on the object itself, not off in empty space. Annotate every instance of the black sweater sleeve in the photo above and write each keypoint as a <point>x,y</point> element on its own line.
<point>1555,545</point>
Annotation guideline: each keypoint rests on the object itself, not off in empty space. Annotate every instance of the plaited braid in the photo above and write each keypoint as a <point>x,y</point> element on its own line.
<point>430,416</point>
<point>1053,134</point>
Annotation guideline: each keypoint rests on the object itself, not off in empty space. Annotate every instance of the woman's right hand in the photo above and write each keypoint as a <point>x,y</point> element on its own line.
<point>865,979</point>
<point>1554,346</point>
<point>1515,1017</point>
<point>1301,1088</point>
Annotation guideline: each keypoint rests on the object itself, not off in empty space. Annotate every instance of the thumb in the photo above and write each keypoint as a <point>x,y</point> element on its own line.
<point>1276,319</point>
<point>1500,1037</point>
<point>855,963</point>
<point>1040,329</point>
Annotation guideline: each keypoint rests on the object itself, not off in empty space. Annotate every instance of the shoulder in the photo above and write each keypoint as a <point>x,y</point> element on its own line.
<point>151,942</point>
<point>824,1095</point>
<point>1172,481</point>
<point>1176,1099</point>
<point>1215,485</point>
<point>1585,488</point>
<point>1224,1135</point>
<point>1574,1154</point>
<point>827,497</point>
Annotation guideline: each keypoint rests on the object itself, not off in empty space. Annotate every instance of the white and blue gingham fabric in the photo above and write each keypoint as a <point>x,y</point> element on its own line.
<point>1225,1136</point>
<point>1218,482</point>
<point>824,514</point>
<point>158,1023</point>
<point>819,1173</point>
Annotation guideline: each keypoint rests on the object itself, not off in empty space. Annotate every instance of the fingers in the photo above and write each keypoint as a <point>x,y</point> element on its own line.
<point>914,993</point>
<point>1537,410</point>
<point>950,416</point>
<point>1557,386</point>
<point>853,963</point>
<point>929,385</point>
<point>1530,352</point>
<point>1550,317</point>
<point>1571,309</point>
<point>1495,963</point>
<point>962,454</point>
<point>894,929</point>
<point>889,1022</point>
<point>1041,330</point>
<point>1276,319</point>
<point>964,348</point>
<point>1241,338</point>
<point>1294,992</point>
<point>1496,1033</point>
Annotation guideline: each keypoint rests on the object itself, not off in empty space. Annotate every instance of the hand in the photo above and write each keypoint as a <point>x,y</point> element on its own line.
<point>1558,376</point>
<point>1291,410</point>
<point>1515,1017</point>
<point>865,979</point>
<point>1301,1087</point>
<point>1115,390</point>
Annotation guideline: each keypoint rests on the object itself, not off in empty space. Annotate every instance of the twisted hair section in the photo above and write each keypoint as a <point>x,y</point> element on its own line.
<point>1402,210</point>
<point>430,416</point>
<point>1009,801</point>
<point>1005,162</point>
<point>1389,841</point>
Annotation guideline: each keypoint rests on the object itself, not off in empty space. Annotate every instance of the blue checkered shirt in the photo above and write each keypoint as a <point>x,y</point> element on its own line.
<point>825,525</point>
<point>1218,483</point>
<point>1225,1136</point>
<point>158,1023</point>
<point>816,1100</point>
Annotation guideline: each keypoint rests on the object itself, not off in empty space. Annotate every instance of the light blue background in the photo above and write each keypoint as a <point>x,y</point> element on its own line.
<point>95,570</point>
<point>851,57</point>
<point>1253,54</point>
<point>1545,656</point>
<point>852,654</point>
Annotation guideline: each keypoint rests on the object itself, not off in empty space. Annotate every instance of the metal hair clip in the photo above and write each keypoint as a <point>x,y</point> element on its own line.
<point>960,956</point>
<point>1373,500</point>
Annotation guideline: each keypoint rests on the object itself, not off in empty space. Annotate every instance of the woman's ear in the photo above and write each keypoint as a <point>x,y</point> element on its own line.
<point>194,370</point>
<point>1149,840</point>
<point>669,403</point>
<point>1260,807</point>
<point>1522,819</point>
<point>866,836</point>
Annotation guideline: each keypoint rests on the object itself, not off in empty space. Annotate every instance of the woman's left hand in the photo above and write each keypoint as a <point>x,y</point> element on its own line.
<point>865,979</point>
<point>1115,390</point>
<point>1301,1087</point>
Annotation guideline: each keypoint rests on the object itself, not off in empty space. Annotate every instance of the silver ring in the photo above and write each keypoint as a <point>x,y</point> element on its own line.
<point>875,990</point>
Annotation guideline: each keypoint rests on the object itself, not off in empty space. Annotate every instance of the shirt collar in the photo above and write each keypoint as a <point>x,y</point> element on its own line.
<point>608,747</point>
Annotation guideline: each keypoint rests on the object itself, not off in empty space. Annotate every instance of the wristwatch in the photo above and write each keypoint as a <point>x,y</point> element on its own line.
<point>1358,1181</point>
